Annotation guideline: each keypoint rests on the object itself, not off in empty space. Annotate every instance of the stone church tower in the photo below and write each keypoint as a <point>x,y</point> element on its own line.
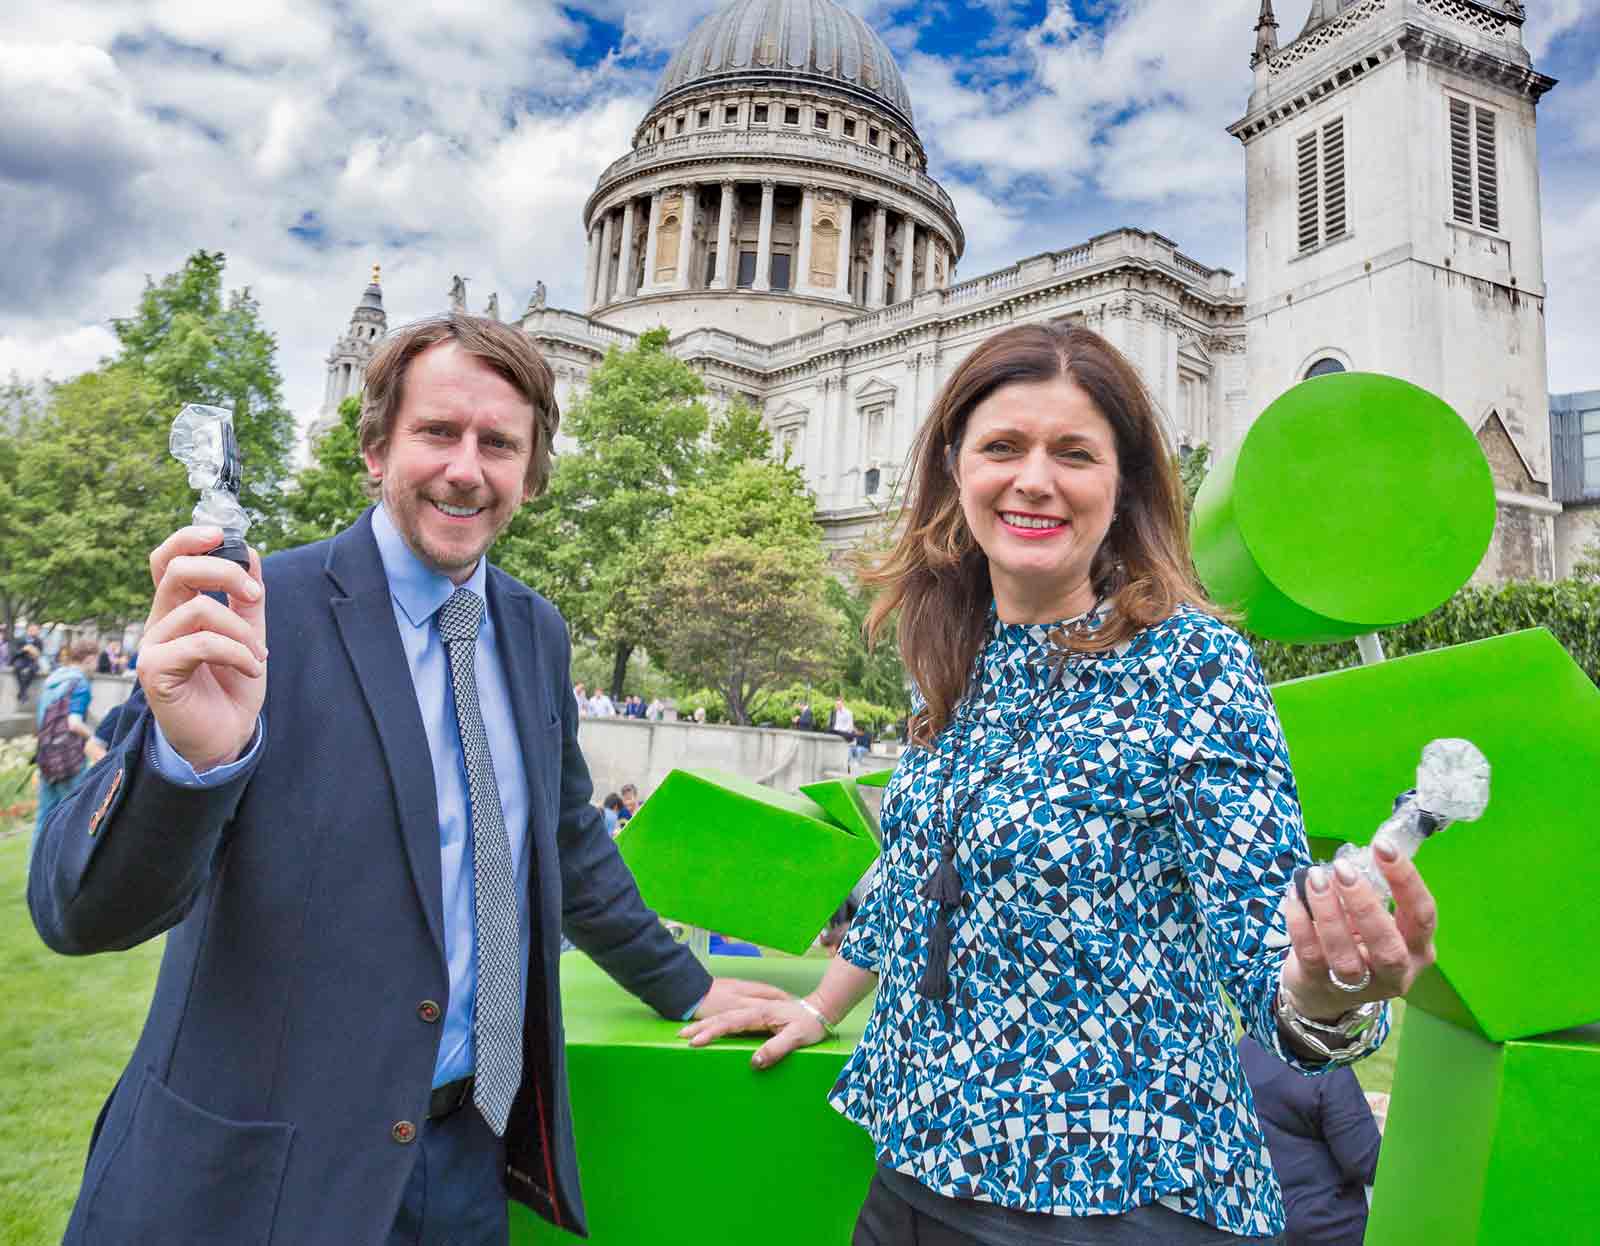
<point>347,362</point>
<point>1393,226</point>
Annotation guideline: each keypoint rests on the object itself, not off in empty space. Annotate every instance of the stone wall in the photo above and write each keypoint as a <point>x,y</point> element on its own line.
<point>625,750</point>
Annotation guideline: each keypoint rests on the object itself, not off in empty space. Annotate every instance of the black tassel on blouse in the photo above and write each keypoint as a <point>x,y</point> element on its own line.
<point>943,887</point>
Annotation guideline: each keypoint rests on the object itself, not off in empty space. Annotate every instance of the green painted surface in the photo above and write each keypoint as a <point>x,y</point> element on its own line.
<point>686,1147</point>
<point>1489,1144</point>
<point>878,778</point>
<point>842,800</point>
<point>1355,502</point>
<point>715,851</point>
<point>1518,918</point>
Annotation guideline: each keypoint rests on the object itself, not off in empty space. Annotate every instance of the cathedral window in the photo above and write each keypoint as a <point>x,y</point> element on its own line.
<point>819,119</point>
<point>761,114</point>
<point>873,136</point>
<point>849,127</point>
<point>680,124</point>
<point>703,119</point>
<point>747,269</point>
<point>1321,210</point>
<point>791,116</point>
<point>1325,366</point>
<point>780,270</point>
<point>730,115</point>
<point>1474,165</point>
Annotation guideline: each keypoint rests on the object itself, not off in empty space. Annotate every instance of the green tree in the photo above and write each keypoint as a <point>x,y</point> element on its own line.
<point>20,411</point>
<point>192,343</point>
<point>739,602</point>
<point>95,491</point>
<point>329,493</point>
<point>639,431</point>
<point>1192,470</point>
<point>742,619</point>
<point>96,488</point>
<point>876,673</point>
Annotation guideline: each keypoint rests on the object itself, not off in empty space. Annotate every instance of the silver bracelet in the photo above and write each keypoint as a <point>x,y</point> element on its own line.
<point>827,1026</point>
<point>1344,1040</point>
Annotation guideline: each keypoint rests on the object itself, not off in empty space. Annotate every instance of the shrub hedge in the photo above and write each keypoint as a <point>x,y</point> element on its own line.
<point>1570,609</point>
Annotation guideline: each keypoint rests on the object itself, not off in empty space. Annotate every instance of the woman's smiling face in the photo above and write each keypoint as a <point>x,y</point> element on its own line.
<point>1038,474</point>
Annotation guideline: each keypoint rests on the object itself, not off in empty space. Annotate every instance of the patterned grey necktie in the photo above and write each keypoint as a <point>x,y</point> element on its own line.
<point>497,1018</point>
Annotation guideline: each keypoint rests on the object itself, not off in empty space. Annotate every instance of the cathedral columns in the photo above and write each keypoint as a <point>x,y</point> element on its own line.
<point>808,206</point>
<point>847,227</point>
<point>652,243</point>
<point>591,272</point>
<point>928,282</point>
<point>630,258</point>
<point>880,248</point>
<point>904,288</point>
<point>725,238</point>
<point>690,227</point>
<point>607,276</point>
<point>763,280</point>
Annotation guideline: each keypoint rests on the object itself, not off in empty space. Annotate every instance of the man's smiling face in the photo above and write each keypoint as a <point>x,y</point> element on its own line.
<point>454,467</point>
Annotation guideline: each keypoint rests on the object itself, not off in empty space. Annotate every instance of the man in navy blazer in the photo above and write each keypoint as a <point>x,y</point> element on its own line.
<point>297,826</point>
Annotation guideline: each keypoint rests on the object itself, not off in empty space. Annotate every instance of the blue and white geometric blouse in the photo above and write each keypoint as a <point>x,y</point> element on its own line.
<point>1126,826</point>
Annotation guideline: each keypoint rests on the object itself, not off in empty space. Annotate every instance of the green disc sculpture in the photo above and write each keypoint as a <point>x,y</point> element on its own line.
<point>1355,502</point>
<point>1359,502</point>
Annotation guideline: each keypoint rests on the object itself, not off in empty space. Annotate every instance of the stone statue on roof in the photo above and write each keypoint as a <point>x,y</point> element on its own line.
<point>458,293</point>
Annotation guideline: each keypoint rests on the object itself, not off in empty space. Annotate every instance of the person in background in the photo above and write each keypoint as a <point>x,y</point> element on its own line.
<point>611,806</point>
<point>1324,1144</point>
<point>805,720</point>
<point>699,713</point>
<point>112,660</point>
<point>26,656</point>
<point>654,709</point>
<point>841,721</point>
<point>105,733</point>
<point>71,680</point>
<point>582,697</point>
<point>601,705</point>
<point>630,802</point>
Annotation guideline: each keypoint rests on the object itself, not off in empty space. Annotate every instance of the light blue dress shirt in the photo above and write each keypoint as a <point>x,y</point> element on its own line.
<point>417,592</point>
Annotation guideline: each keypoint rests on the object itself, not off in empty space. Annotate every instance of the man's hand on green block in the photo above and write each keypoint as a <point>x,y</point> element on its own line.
<point>729,994</point>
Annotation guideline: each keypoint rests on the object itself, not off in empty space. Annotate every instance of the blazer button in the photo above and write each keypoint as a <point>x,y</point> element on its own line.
<point>428,1011</point>
<point>404,1132</point>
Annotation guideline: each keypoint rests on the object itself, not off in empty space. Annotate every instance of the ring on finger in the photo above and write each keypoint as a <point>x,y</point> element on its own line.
<point>1352,987</point>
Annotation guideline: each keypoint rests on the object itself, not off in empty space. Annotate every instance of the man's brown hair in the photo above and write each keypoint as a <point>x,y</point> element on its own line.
<point>937,576</point>
<point>506,349</point>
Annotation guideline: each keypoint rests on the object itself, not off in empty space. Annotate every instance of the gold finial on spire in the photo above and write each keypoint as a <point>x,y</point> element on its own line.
<point>376,269</point>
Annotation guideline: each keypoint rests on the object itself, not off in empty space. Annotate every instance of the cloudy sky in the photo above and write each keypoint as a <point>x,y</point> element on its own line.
<point>309,139</point>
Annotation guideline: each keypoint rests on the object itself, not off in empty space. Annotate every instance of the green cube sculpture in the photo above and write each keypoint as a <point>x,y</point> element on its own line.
<point>1518,919</point>
<point>1490,1144</point>
<point>679,1146</point>
<point>1355,502</point>
<point>732,856</point>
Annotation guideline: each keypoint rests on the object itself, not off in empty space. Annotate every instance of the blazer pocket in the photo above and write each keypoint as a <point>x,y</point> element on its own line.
<point>181,1174</point>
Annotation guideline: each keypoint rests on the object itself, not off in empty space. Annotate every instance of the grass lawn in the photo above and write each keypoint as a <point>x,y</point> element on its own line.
<point>66,1034</point>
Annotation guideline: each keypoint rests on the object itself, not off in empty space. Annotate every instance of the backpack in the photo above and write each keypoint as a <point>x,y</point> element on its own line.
<point>60,754</point>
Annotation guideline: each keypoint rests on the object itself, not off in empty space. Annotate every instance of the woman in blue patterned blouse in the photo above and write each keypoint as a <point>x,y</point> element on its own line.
<point>1090,843</point>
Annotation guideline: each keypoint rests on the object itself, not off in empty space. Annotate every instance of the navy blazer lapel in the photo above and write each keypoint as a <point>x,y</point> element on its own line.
<point>364,613</point>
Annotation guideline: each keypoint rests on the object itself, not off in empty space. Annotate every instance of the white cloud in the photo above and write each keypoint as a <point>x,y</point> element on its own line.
<point>465,139</point>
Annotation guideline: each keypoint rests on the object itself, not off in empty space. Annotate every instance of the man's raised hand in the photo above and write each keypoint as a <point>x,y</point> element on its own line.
<point>203,665</point>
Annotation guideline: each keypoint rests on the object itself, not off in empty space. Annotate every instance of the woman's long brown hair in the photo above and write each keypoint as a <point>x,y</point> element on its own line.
<point>937,576</point>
